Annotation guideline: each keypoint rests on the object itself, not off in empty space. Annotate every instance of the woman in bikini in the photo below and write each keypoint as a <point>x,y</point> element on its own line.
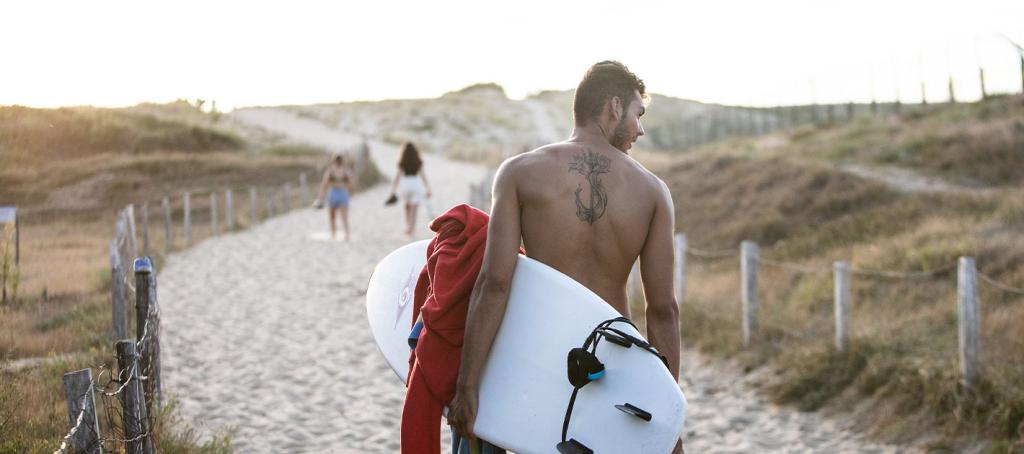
<point>337,186</point>
<point>410,184</point>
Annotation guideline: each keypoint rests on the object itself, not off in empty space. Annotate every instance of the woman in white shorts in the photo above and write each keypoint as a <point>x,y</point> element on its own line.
<point>410,184</point>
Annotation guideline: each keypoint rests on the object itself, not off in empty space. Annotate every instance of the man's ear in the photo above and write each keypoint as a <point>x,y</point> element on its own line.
<point>617,111</point>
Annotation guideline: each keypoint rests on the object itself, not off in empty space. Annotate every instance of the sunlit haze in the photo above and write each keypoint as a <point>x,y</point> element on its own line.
<point>239,53</point>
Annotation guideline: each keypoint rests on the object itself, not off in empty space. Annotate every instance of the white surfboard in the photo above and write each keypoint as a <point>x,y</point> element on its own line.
<point>524,390</point>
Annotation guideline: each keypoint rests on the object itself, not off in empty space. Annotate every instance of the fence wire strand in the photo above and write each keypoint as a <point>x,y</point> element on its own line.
<point>1000,286</point>
<point>78,423</point>
<point>792,266</point>
<point>711,254</point>
<point>902,274</point>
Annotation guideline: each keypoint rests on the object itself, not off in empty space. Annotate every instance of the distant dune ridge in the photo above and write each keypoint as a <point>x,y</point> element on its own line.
<point>480,121</point>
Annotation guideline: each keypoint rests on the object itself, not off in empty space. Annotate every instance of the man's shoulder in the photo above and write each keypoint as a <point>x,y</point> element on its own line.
<point>644,176</point>
<point>531,159</point>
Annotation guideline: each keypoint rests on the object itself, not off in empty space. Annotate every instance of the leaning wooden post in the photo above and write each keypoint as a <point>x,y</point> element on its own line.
<point>229,210</point>
<point>967,310</point>
<point>680,268</point>
<point>749,253</point>
<point>188,218</point>
<point>841,272</point>
<point>133,410</point>
<point>119,313</point>
<point>168,240</point>
<point>78,391</point>
<point>213,213</point>
<point>254,216</point>
<point>147,329</point>
<point>145,228</point>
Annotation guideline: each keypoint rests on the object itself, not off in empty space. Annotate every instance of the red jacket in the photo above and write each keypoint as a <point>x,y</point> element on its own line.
<point>454,258</point>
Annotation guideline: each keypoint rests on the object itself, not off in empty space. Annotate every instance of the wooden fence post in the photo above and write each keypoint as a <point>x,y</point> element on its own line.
<point>841,272</point>
<point>213,213</point>
<point>304,184</point>
<point>147,329</point>
<point>981,75</point>
<point>17,220</point>
<point>145,228</point>
<point>188,218</point>
<point>680,268</point>
<point>168,240</point>
<point>749,255</point>
<point>229,210</point>
<point>252,206</point>
<point>270,204</point>
<point>119,313</point>
<point>78,391</point>
<point>967,311</point>
<point>133,249</point>
<point>133,409</point>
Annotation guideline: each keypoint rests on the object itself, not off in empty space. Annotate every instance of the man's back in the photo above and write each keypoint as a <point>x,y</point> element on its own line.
<point>585,210</point>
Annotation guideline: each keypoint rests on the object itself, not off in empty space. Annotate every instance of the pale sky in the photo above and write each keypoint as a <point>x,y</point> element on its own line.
<point>241,53</point>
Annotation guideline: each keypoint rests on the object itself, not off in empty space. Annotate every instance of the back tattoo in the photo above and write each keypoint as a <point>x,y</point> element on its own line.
<point>591,165</point>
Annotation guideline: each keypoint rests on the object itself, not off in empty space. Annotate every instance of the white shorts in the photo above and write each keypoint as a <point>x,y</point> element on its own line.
<point>410,189</point>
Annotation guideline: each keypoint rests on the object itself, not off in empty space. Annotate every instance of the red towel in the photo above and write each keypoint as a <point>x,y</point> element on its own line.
<point>454,258</point>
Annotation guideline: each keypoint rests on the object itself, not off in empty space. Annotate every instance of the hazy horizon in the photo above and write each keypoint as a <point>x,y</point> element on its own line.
<point>60,53</point>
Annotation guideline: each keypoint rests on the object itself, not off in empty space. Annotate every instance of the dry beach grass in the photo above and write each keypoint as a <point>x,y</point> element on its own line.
<point>68,171</point>
<point>787,193</point>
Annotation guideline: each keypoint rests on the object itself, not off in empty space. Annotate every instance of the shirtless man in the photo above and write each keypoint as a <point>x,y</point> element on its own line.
<point>585,208</point>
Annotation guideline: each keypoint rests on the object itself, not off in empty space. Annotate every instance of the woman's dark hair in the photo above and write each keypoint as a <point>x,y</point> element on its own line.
<point>410,162</point>
<point>339,159</point>
<point>602,81</point>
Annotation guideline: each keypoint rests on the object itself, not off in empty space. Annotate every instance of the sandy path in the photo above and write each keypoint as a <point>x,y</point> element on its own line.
<point>265,330</point>
<point>726,415</point>
<point>265,335</point>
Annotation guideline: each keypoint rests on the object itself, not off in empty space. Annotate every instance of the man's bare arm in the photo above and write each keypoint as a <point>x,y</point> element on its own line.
<point>656,268</point>
<point>488,301</point>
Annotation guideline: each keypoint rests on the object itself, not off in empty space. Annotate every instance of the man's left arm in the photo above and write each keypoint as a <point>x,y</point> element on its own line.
<point>488,300</point>
<point>656,268</point>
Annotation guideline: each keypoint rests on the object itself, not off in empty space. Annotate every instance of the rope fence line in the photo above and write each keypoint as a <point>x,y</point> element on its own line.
<point>967,296</point>
<point>903,274</point>
<point>792,266</point>
<point>711,254</point>
<point>1000,286</point>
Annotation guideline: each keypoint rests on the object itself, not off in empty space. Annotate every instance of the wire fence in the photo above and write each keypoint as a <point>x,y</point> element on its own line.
<point>129,391</point>
<point>750,258</point>
<point>913,80</point>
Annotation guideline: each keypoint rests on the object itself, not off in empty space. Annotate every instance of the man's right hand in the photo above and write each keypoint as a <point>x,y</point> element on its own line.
<point>462,411</point>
